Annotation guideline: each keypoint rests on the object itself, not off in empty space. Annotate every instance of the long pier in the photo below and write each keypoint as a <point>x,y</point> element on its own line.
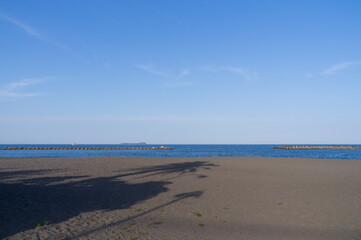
<point>315,147</point>
<point>87,148</point>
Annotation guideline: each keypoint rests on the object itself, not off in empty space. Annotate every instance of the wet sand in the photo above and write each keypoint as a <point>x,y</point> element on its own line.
<point>180,198</point>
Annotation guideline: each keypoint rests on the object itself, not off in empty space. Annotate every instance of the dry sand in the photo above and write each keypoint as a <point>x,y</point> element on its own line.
<point>180,198</point>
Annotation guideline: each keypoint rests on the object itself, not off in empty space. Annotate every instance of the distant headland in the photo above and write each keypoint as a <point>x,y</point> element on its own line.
<point>315,147</point>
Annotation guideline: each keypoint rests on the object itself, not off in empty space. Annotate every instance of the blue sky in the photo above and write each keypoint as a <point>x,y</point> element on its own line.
<point>192,72</point>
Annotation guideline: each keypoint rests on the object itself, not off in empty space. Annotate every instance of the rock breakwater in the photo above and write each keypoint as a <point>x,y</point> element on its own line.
<point>315,147</point>
<point>87,148</point>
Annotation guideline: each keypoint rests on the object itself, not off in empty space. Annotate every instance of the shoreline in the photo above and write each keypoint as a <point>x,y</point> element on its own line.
<point>181,198</point>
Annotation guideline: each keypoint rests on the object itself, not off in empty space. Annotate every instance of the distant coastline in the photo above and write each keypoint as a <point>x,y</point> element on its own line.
<point>138,143</point>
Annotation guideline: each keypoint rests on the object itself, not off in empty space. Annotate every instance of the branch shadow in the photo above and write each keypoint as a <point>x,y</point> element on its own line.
<point>176,168</point>
<point>5,175</point>
<point>26,199</point>
<point>178,197</point>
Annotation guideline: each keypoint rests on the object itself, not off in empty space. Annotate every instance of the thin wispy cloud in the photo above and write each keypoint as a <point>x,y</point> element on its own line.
<point>172,79</point>
<point>16,90</point>
<point>178,79</point>
<point>239,71</point>
<point>16,95</point>
<point>152,70</point>
<point>184,72</point>
<point>244,73</point>
<point>339,66</point>
<point>32,32</point>
<point>24,27</point>
<point>26,82</point>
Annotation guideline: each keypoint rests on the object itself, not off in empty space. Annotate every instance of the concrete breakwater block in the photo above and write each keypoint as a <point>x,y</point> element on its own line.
<point>87,148</point>
<point>315,147</point>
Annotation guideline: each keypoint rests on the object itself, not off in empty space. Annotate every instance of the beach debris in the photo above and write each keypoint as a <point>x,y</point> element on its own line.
<point>42,223</point>
<point>154,224</point>
<point>197,214</point>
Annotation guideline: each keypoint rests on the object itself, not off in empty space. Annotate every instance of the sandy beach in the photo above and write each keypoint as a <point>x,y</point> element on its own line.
<point>180,198</point>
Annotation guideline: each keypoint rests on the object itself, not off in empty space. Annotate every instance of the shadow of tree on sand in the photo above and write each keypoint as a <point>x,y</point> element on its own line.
<point>177,198</point>
<point>27,198</point>
<point>177,169</point>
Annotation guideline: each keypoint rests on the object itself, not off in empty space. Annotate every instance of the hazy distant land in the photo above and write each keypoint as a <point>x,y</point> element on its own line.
<point>137,143</point>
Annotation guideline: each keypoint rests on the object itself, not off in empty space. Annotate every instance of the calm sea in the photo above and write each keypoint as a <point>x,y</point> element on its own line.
<point>180,151</point>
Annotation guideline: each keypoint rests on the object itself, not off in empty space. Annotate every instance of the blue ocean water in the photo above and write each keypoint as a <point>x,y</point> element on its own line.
<point>179,151</point>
